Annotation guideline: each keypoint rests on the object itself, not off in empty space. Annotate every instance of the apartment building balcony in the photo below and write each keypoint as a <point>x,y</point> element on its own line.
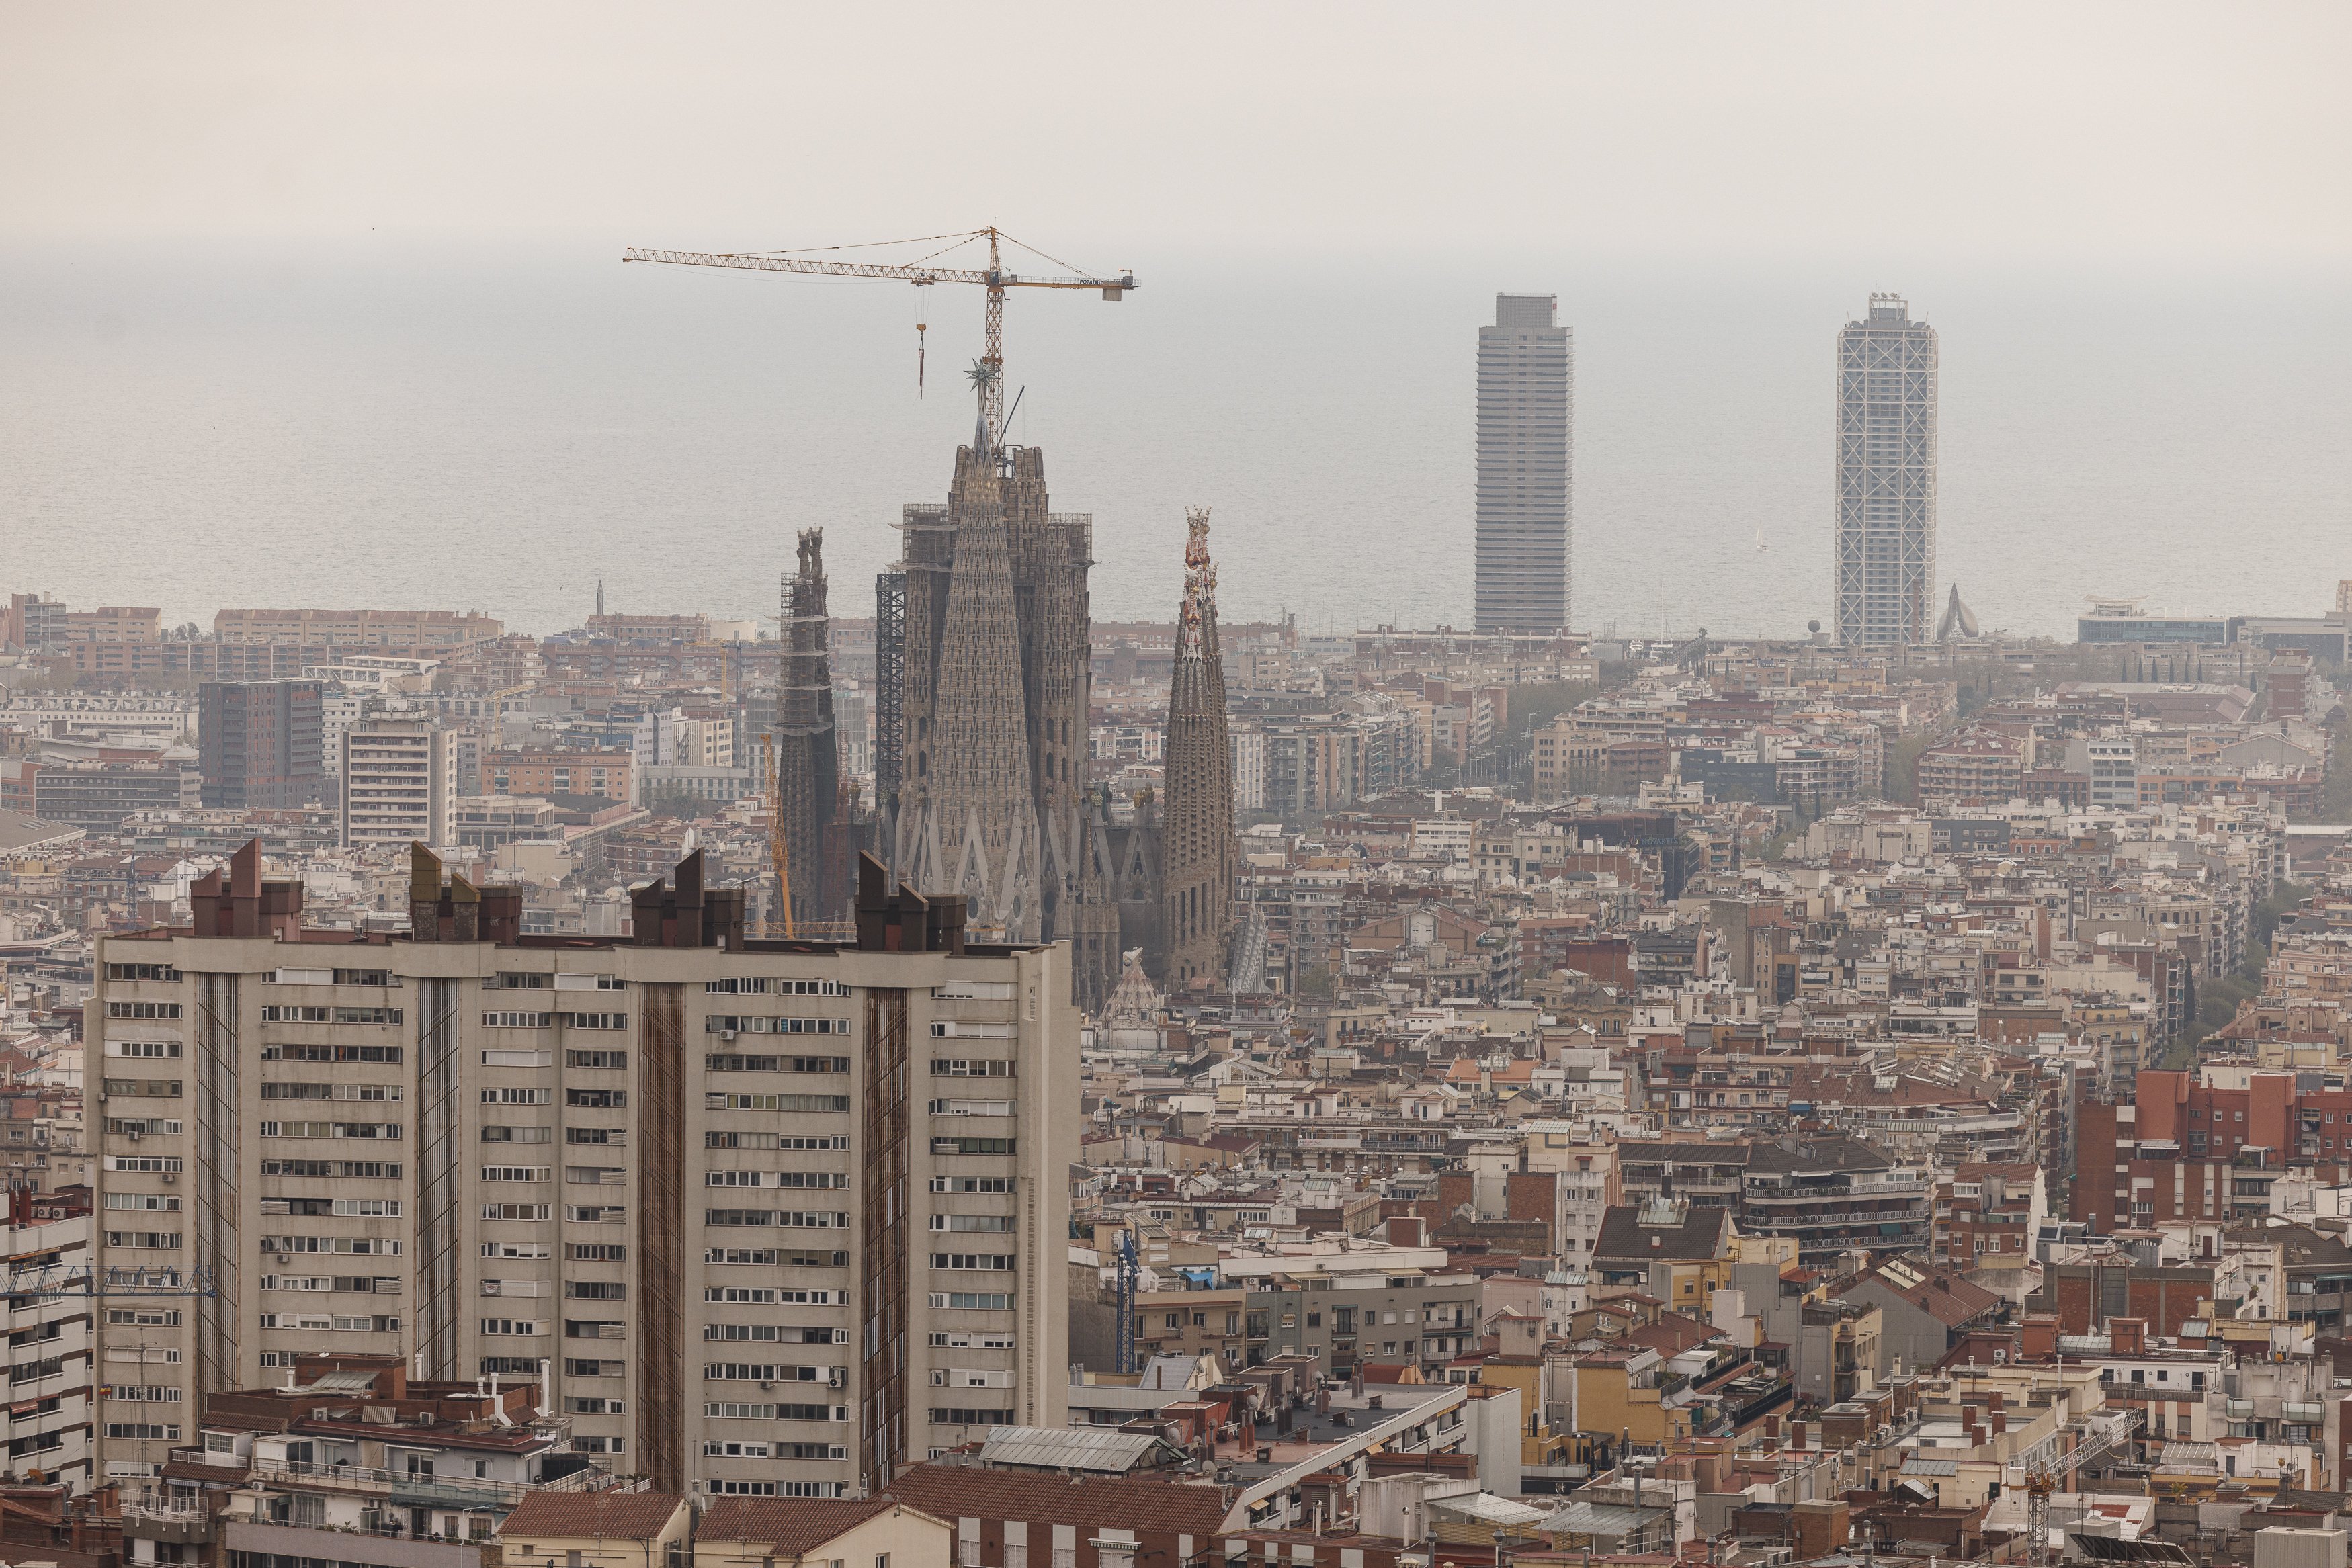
<point>411,1489</point>
<point>170,1523</point>
<point>391,1547</point>
<point>2136,1395</point>
<point>1714,1191</point>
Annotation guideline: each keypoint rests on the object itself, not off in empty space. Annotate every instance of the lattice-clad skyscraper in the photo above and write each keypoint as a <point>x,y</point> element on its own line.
<point>1526,466</point>
<point>1886,477</point>
<point>1197,851</point>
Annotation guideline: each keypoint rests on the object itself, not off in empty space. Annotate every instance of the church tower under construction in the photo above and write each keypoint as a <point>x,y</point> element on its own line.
<point>807,839</point>
<point>1196,835</point>
<point>983,633</point>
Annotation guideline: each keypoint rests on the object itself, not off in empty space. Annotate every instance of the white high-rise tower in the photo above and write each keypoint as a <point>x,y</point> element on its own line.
<point>1526,466</point>
<point>1886,477</point>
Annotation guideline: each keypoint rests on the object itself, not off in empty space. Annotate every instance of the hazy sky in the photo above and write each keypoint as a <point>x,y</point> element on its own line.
<point>2090,132</point>
<point>346,275</point>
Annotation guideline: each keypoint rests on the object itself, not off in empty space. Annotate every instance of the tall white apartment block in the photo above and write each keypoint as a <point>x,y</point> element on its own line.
<point>1525,467</point>
<point>399,776</point>
<point>775,1218</point>
<point>1886,477</point>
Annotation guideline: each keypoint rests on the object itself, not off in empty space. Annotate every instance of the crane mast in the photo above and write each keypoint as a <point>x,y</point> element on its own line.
<point>994,277</point>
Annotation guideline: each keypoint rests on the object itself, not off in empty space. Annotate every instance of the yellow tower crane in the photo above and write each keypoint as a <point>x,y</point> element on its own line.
<point>922,274</point>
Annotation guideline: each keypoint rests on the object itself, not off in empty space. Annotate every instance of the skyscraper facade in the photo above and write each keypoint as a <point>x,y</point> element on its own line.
<point>1886,477</point>
<point>1197,849</point>
<point>1525,467</point>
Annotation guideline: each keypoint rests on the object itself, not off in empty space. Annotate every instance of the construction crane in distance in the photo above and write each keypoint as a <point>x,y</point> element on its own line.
<point>2049,1475</point>
<point>41,1275</point>
<point>922,274</point>
<point>49,1282</point>
<point>1131,1274</point>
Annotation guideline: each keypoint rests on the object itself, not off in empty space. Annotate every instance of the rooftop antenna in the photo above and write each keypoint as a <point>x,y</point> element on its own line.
<point>600,598</point>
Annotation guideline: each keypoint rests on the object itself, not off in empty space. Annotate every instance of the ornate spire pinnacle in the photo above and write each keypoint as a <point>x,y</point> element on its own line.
<point>982,376</point>
<point>1200,572</point>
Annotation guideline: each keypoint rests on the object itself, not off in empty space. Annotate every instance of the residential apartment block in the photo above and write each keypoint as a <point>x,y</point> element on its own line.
<point>605,775</point>
<point>257,743</point>
<point>779,1267</point>
<point>399,777</point>
<point>442,630</point>
<point>50,1379</point>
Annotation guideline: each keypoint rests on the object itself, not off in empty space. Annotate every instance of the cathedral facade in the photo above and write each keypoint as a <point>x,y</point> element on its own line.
<point>992,772</point>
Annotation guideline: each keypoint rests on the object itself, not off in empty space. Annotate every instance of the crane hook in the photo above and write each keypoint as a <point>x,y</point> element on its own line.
<point>920,327</point>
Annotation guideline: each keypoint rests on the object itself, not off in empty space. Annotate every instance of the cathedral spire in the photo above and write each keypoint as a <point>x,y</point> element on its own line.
<point>1198,853</point>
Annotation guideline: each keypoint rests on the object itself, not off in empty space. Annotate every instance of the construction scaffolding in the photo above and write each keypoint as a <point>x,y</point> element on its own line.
<point>889,688</point>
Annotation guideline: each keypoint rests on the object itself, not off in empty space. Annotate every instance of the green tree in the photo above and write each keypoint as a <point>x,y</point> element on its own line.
<point>1902,785</point>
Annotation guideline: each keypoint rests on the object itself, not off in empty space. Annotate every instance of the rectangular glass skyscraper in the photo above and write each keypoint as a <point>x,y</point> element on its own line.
<point>1526,466</point>
<point>1886,477</point>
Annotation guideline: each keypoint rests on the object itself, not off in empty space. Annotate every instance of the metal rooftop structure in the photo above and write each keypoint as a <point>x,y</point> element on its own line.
<point>1072,1447</point>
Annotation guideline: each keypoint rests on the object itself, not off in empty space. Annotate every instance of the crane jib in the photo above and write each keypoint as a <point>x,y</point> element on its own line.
<point>990,386</point>
<point>1112,286</point>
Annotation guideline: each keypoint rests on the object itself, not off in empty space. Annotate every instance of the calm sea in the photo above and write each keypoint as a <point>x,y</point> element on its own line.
<point>435,426</point>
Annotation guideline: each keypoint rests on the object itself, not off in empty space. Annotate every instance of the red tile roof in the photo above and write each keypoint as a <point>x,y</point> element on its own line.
<point>1942,1294</point>
<point>789,1527</point>
<point>581,1516</point>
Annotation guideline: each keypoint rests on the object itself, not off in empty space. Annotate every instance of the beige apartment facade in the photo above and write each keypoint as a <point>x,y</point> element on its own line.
<point>399,776</point>
<point>357,628</point>
<point>771,1218</point>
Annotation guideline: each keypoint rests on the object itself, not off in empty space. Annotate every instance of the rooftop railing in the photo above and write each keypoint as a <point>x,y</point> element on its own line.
<point>472,1490</point>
